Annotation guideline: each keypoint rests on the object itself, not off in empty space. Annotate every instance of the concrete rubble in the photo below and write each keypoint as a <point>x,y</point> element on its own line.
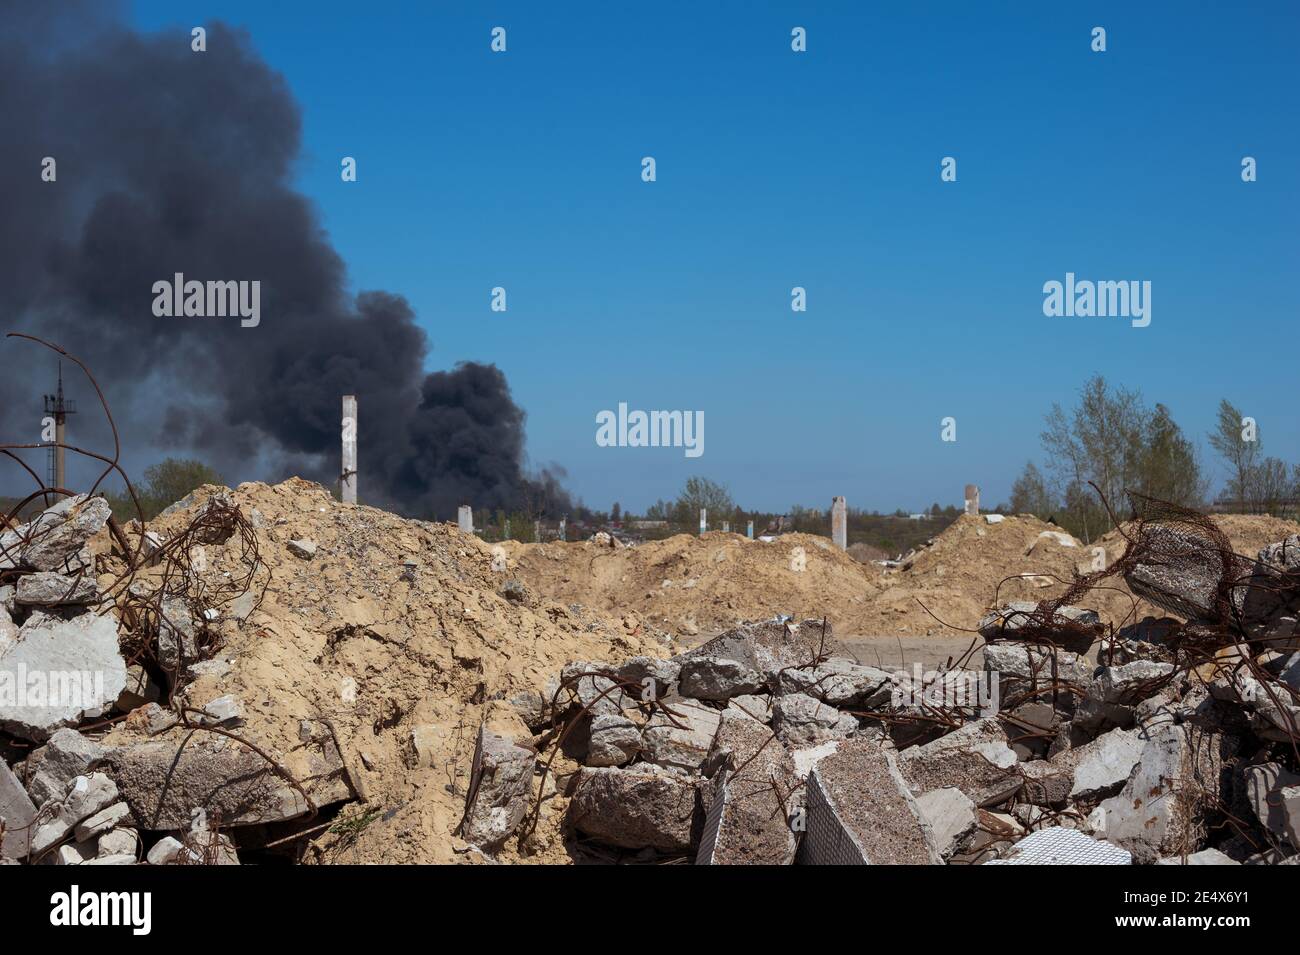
<point>767,744</point>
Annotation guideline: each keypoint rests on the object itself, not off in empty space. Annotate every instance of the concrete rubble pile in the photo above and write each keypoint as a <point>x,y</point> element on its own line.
<point>74,663</point>
<point>1167,742</point>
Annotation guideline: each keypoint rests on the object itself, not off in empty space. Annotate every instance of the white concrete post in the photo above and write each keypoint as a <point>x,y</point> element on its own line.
<point>749,531</point>
<point>704,519</point>
<point>972,499</point>
<point>348,486</point>
<point>564,521</point>
<point>840,523</point>
<point>465,518</point>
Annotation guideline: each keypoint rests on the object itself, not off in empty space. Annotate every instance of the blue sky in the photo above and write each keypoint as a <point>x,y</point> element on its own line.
<point>819,169</point>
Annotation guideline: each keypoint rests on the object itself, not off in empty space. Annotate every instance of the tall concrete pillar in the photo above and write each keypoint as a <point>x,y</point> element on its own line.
<point>537,532</point>
<point>507,533</point>
<point>726,527</point>
<point>972,499</point>
<point>465,518</point>
<point>749,531</point>
<point>704,519</point>
<point>564,522</point>
<point>840,523</point>
<point>348,485</point>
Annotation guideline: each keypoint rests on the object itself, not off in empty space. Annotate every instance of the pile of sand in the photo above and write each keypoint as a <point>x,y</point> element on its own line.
<point>692,585</point>
<point>392,626</point>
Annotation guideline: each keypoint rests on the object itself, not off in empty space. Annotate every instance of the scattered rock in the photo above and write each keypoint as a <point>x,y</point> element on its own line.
<point>635,808</point>
<point>861,812</point>
<point>681,737</point>
<point>79,663</point>
<point>501,784</point>
<point>615,740</point>
<point>302,548</point>
<point>974,758</point>
<point>800,720</point>
<point>951,816</point>
<point>48,589</point>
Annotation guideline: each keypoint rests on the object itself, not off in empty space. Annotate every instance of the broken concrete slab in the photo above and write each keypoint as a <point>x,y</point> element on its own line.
<point>639,670</point>
<point>861,812</point>
<point>52,767</point>
<point>839,682</point>
<point>771,645</point>
<point>116,842</point>
<point>167,780</point>
<point>1061,846</point>
<point>974,758</point>
<point>17,813</point>
<point>165,851</point>
<point>86,796</point>
<point>108,818</point>
<point>72,853</point>
<point>501,781</point>
<point>749,798</point>
<point>49,589</point>
<point>681,737</point>
<point>594,688</point>
<point>951,816</point>
<point>1185,574</point>
<point>1035,664</point>
<point>799,721</point>
<point>61,531</point>
<point>177,641</point>
<point>1094,770</point>
<point>77,668</point>
<point>1129,683</point>
<point>302,548</point>
<point>643,806</point>
<point>1274,793</point>
<point>756,706</point>
<point>717,678</point>
<point>1163,808</point>
<point>614,741</point>
<point>1078,629</point>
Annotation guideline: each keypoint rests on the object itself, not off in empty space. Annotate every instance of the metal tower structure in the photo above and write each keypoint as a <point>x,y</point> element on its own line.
<point>58,408</point>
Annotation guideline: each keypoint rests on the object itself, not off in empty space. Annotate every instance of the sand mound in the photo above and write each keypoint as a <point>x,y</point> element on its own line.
<point>690,585</point>
<point>393,626</point>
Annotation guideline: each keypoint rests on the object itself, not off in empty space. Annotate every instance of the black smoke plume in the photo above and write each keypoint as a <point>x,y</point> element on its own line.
<point>174,161</point>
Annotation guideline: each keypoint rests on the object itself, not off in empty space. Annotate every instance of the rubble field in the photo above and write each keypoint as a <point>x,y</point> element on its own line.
<point>266,675</point>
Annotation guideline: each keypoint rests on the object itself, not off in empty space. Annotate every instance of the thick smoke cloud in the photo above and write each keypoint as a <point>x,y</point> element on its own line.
<point>174,161</point>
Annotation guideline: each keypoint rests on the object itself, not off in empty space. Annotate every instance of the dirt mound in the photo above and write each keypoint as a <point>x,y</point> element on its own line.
<point>702,585</point>
<point>691,585</point>
<point>398,632</point>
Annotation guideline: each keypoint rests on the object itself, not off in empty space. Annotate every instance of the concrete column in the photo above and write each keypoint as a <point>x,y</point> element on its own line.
<point>840,523</point>
<point>564,521</point>
<point>749,531</point>
<point>507,534</point>
<point>704,519</point>
<point>348,477</point>
<point>972,499</point>
<point>465,518</point>
<point>537,532</point>
<point>726,527</point>
<point>60,474</point>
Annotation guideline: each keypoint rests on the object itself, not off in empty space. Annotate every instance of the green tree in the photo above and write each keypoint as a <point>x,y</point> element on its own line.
<point>164,484</point>
<point>701,492</point>
<point>1029,494</point>
<point>1239,449</point>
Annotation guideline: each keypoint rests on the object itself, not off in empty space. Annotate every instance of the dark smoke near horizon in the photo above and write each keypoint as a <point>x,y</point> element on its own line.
<point>174,161</point>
